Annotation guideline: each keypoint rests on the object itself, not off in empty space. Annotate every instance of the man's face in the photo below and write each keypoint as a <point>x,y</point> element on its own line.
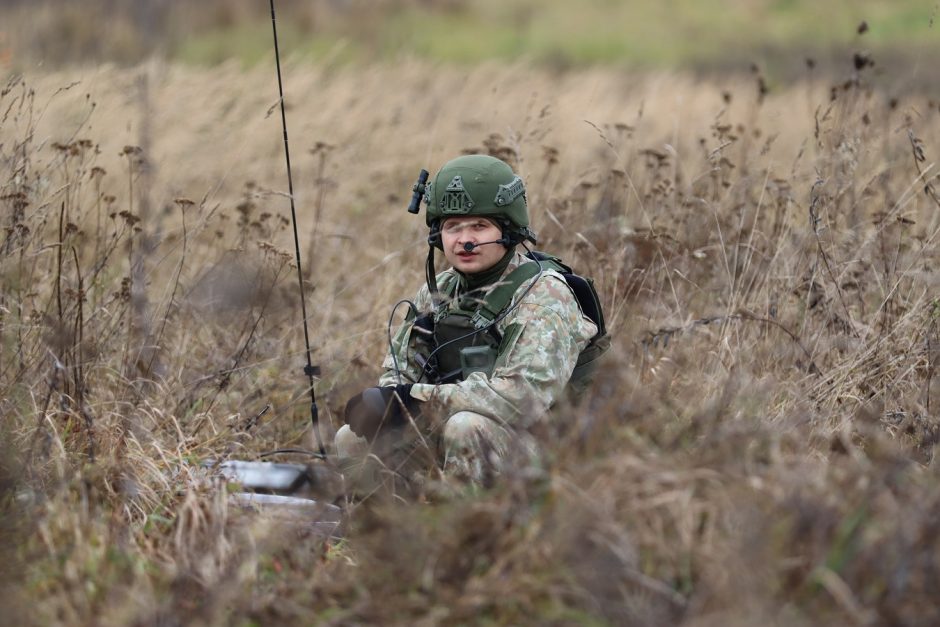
<point>455,232</point>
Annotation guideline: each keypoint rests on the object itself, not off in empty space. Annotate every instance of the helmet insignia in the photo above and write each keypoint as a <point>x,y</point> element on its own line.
<point>508,192</point>
<point>455,198</point>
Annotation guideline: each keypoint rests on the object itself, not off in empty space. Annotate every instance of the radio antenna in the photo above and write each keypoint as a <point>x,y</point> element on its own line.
<point>309,370</point>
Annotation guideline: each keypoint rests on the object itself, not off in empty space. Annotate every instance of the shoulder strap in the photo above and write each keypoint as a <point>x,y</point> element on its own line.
<point>448,284</point>
<point>583,289</point>
<point>500,297</point>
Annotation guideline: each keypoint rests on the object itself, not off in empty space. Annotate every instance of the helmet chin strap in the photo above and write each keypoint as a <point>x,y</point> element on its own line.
<point>431,277</point>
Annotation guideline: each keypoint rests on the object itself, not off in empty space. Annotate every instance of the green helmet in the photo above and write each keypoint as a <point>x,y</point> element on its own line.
<point>479,185</point>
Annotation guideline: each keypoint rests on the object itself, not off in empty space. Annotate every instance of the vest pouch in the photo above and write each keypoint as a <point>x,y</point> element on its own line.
<point>455,333</point>
<point>477,359</point>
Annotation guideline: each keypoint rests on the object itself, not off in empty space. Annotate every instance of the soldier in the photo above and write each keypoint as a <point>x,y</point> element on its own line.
<point>491,341</point>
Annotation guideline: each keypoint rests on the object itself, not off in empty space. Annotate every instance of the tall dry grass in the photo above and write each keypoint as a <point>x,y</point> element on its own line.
<point>758,448</point>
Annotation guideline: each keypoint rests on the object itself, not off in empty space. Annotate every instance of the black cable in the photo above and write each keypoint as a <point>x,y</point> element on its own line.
<point>391,347</point>
<point>310,370</point>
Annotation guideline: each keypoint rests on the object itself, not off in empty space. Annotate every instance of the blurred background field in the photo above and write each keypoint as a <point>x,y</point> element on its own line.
<point>752,187</point>
<point>689,34</point>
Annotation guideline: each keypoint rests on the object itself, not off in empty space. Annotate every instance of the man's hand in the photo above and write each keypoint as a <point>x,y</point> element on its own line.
<point>377,408</point>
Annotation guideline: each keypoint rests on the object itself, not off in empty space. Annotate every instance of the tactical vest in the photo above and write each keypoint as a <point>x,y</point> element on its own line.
<point>467,341</point>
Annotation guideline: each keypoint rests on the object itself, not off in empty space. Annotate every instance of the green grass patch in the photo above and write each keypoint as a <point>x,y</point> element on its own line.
<point>684,33</point>
<point>251,43</point>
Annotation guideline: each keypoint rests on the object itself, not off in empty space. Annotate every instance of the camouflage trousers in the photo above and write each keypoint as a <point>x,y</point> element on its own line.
<point>469,446</point>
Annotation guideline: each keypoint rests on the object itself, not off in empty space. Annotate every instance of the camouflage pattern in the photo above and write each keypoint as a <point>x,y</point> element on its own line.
<point>474,447</point>
<point>543,337</point>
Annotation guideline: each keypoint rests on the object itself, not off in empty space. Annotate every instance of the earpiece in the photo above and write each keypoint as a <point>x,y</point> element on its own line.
<point>434,235</point>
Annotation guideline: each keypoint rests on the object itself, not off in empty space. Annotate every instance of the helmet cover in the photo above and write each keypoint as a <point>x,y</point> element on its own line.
<point>478,185</point>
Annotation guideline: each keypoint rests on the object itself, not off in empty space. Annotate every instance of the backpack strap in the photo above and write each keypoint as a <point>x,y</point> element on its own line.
<point>447,289</point>
<point>500,297</point>
<point>448,284</point>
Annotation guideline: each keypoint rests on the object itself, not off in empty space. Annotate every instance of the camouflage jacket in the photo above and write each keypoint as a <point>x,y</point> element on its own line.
<point>543,337</point>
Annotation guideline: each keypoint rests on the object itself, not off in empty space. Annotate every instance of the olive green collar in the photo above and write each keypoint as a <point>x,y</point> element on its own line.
<point>469,283</point>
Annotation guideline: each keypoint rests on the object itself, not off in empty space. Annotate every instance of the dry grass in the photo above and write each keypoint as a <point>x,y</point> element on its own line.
<point>758,449</point>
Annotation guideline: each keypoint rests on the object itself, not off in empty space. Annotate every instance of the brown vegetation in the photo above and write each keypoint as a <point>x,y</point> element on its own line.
<point>758,448</point>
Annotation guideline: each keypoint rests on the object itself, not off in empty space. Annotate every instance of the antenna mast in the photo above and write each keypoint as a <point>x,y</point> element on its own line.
<point>309,370</point>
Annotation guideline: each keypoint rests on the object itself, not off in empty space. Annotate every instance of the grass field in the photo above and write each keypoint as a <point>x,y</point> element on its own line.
<point>767,410</point>
<point>758,449</point>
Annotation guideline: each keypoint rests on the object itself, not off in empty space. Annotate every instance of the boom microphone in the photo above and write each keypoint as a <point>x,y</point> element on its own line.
<point>469,246</point>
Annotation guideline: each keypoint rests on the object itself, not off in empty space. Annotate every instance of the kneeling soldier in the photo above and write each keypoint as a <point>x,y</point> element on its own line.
<point>497,338</point>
